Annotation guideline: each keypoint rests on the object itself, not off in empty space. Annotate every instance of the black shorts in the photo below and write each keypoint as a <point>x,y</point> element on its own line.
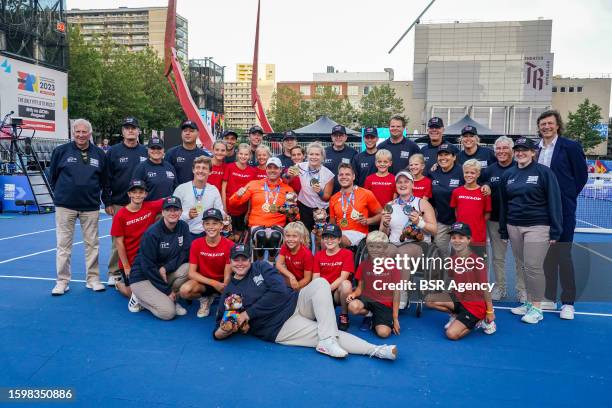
<point>209,290</point>
<point>381,314</point>
<point>463,315</point>
<point>239,223</point>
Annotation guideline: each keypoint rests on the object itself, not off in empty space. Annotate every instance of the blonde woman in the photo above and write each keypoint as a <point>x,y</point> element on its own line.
<point>262,154</point>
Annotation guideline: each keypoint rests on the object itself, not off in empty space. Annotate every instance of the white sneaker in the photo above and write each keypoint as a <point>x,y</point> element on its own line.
<point>133,305</point>
<point>498,293</point>
<point>204,309</point>
<point>403,299</point>
<point>522,309</point>
<point>386,352</point>
<point>60,288</point>
<point>521,296</point>
<point>567,312</point>
<point>451,319</point>
<point>96,286</point>
<point>111,280</point>
<point>548,305</point>
<point>331,347</point>
<point>180,310</point>
<point>533,316</point>
<point>487,328</point>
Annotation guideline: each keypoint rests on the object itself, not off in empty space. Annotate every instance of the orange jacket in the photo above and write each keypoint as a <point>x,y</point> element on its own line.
<point>256,194</point>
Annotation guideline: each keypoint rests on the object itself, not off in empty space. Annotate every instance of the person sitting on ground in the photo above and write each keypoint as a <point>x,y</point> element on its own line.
<point>209,269</point>
<point>468,309</point>
<point>382,183</point>
<point>274,312</point>
<point>335,265</point>
<point>422,184</point>
<point>295,260</point>
<point>129,224</point>
<point>161,265</point>
<point>380,307</point>
<point>262,154</point>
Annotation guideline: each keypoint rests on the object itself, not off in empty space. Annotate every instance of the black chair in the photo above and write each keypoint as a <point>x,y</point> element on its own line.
<point>25,204</point>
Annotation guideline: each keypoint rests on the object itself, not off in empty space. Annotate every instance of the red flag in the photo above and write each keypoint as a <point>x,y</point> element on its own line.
<point>600,167</point>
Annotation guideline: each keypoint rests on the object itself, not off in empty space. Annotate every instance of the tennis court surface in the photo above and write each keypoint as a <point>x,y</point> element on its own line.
<point>110,357</point>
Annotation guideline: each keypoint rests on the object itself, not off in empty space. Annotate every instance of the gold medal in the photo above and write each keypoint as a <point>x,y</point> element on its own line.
<point>355,215</point>
<point>344,223</point>
<point>265,207</point>
<point>199,207</point>
<point>295,169</point>
<point>273,208</point>
<point>388,208</point>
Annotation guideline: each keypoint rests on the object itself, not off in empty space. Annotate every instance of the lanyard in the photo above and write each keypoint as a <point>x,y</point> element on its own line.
<point>349,201</point>
<point>197,196</point>
<point>268,193</point>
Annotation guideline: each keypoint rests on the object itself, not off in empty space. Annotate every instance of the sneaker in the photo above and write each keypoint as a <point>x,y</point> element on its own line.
<point>331,347</point>
<point>567,312</point>
<point>533,316</point>
<point>498,293</point>
<point>133,305</point>
<point>522,309</point>
<point>343,322</point>
<point>548,305</point>
<point>204,309</point>
<point>111,280</point>
<point>451,319</point>
<point>96,286</point>
<point>403,299</point>
<point>386,352</point>
<point>60,288</point>
<point>366,324</point>
<point>521,296</point>
<point>180,310</point>
<point>487,328</point>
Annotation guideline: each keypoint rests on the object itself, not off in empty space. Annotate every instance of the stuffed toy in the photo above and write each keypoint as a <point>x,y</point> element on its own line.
<point>290,207</point>
<point>320,218</point>
<point>233,307</point>
<point>227,230</point>
<point>412,232</point>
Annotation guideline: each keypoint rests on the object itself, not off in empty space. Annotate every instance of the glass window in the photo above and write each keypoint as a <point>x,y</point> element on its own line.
<point>554,89</point>
<point>571,89</point>
<point>305,90</point>
<point>562,89</point>
<point>578,89</point>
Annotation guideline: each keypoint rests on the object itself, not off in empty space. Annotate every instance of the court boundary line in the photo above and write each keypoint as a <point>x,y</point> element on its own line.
<point>39,278</point>
<point>42,252</point>
<point>594,252</point>
<point>41,231</point>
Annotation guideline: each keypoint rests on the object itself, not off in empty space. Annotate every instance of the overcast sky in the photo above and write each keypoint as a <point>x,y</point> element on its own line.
<point>304,36</point>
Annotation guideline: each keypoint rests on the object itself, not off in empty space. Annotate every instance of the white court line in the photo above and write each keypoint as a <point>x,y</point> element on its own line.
<point>594,252</point>
<point>41,252</point>
<point>558,311</point>
<point>592,225</point>
<point>35,278</point>
<point>41,231</point>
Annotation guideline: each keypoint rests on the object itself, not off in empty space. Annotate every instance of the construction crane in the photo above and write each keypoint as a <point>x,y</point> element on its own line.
<point>416,21</point>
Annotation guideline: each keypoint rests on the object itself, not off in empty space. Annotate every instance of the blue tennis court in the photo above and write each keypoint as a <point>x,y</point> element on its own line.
<point>110,357</point>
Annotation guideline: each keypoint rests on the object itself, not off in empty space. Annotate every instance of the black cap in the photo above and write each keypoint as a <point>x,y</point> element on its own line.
<point>338,129</point>
<point>461,228</point>
<point>370,131</point>
<point>290,134</point>
<point>136,183</point>
<point>230,132</point>
<point>189,124</point>
<point>469,129</point>
<point>256,129</point>
<point>130,121</point>
<point>333,230</point>
<point>155,142</point>
<point>212,213</point>
<point>172,201</point>
<point>525,143</point>
<point>240,250</point>
<point>435,122</point>
<point>448,148</point>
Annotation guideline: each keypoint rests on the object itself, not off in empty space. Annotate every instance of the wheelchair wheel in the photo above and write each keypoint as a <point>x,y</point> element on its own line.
<point>361,252</point>
<point>419,308</point>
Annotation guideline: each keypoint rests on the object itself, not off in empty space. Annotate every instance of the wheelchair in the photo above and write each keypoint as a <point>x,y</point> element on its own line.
<point>265,242</point>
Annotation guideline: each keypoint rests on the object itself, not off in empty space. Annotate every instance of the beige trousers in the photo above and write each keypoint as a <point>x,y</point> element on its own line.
<point>530,245</point>
<point>157,302</point>
<point>497,255</point>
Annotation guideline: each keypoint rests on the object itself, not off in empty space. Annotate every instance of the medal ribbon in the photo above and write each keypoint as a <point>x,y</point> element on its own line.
<point>313,173</point>
<point>269,192</point>
<point>197,196</point>
<point>349,202</point>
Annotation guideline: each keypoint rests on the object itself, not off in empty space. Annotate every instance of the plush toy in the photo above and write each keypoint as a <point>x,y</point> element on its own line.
<point>233,307</point>
<point>227,230</point>
<point>290,207</point>
<point>412,232</point>
<point>320,218</point>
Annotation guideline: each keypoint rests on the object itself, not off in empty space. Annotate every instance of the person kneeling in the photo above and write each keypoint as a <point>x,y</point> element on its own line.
<point>272,311</point>
<point>469,309</point>
<point>379,306</point>
<point>209,269</point>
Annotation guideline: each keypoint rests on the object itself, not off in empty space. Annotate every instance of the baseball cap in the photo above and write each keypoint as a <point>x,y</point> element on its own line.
<point>469,129</point>
<point>155,142</point>
<point>406,174</point>
<point>525,143</point>
<point>461,228</point>
<point>448,148</point>
<point>130,121</point>
<point>275,161</point>
<point>333,230</point>
<point>256,129</point>
<point>290,134</point>
<point>370,131</point>
<point>230,132</point>
<point>212,213</point>
<point>240,250</point>
<point>435,122</point>
<point>172,201</point>
<point>338,129</point>
<point>136,183</point>
<point>189,124</point>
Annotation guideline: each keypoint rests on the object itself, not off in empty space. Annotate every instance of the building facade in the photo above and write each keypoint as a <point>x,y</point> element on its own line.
<point>134,28</point>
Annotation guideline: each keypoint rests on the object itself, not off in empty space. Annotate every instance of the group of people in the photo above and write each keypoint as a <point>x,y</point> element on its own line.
<point>192,225</point>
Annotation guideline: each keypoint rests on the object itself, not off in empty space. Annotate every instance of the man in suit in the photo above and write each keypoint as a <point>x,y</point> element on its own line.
<point>566,159</point>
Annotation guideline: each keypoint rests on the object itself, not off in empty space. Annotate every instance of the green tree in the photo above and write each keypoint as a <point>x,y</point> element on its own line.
<point>581,125</point>
<point>378,106</point>
<point>288,110</point>
<point>327,102</point>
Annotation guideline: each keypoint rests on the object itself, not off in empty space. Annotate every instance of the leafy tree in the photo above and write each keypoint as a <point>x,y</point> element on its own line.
<point>328,102</point>
<point>581,125</point>
<point>378,106</point>
<point>288,110</point>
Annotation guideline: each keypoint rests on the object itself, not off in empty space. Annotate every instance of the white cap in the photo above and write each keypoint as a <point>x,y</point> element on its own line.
<point>406,174</point>
<point>275,161</point>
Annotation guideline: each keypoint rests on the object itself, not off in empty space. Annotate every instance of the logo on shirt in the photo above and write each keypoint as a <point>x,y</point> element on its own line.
<point>345,160</point>
<point>94,162</point>
<point>180,240</point>
<point>212,254</point>
<point>71,159</point>
<point>258,279</point>
<point>124,159</point>
<point>473,198</point>
<point>180,159</point>
<point>483,164</point>
<point>139,219</point>
<point>494,179</point>
<point>383,183</point>
<point>365,165</point>
<point>404,155</point>
<point>152,174</point>
<point>164,245</point>
<point>510,181</point>
<point>453,182</point>
<point>142,158</point>
<point>169,174</point>
<point>337,263</point>
<point>435,182</point>
<point>532,180</point>
<point>328,161</point>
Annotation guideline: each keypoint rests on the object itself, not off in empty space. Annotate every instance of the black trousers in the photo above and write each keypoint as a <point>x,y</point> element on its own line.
<point>306,216</point>
<point>559,266</point>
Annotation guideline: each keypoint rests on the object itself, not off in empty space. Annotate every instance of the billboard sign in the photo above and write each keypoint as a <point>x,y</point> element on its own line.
<point>36,94</point>
<point>537,76</point>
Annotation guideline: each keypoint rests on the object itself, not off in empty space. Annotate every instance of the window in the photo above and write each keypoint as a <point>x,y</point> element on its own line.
<point>579,89</point>
<point>366,90</point>
<point>554,89</point>
<point>571,89</point>
<point>305,90</point>
<point>337,89</point>
<point>353,90</point>
<point>562,89</point>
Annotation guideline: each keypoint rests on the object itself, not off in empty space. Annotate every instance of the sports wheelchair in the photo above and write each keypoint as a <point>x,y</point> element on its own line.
<point>265,242</point>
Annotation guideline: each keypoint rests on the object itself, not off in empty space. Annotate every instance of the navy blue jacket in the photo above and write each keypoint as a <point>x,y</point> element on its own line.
<point>400,153</point>
<point>484,155</point>
<point>161,247</point>
<point>285,160</point>
<point>530,196</point>
<point>232,158</point>
<point>182,161</point>
<point>159,178</point>
<point>364,164</point>
<point>442,186</point>
<point>77,185</point>
<point>121,161</point>
<point>430,153</point>
<point>334,157</point>
<point>266,298</point>
<point>492,177</point>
